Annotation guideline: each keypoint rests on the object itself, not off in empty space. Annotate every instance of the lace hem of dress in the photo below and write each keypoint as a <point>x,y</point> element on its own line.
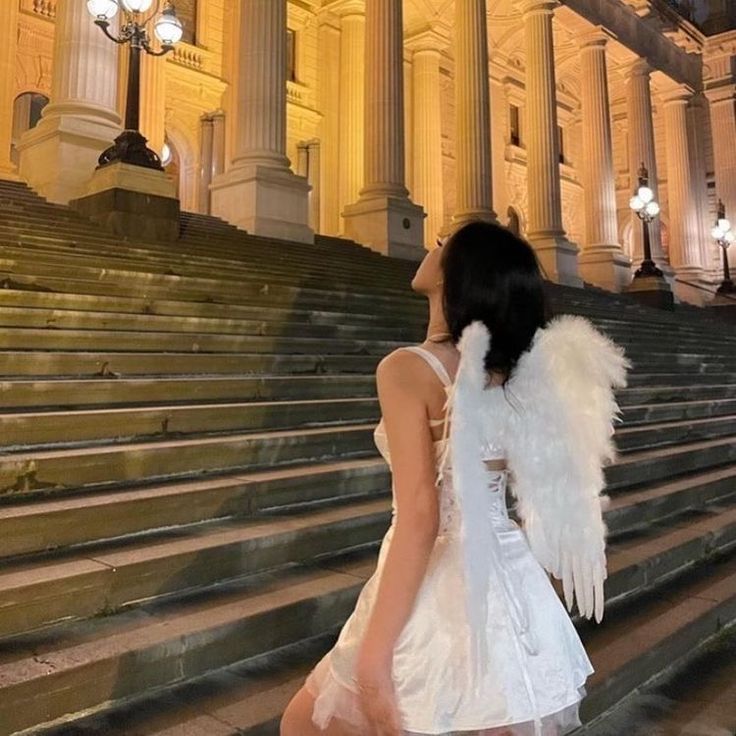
<point>332,699</point>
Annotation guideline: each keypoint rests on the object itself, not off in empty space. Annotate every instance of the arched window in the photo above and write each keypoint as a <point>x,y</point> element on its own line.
<point>186,10</point>
<point>514,224</point>
<point>27,109</point>
<point>171,163</point>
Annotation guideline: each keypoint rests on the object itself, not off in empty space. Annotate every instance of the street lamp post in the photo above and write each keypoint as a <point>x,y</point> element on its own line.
<point>646,208</point>
<point>724,235</point>
<point>130,146</point>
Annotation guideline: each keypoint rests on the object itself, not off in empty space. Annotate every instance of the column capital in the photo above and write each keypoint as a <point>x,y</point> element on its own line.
<point>678,95</point>
<point>346,7</point>
<point>721,93</point>
<point>597,37</point>
<point>435,37</point>
<point>545,7</point>
<point>638,68</point>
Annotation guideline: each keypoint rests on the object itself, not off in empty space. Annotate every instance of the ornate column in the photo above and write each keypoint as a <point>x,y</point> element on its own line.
<point>427,132</point>
<point>722,101</point>
<point>642,150</point>
<point>684,231</point>
<point>206,152</point>
<point>350,172</point>
<point>603,262</point>
<point>330,99</point>
<point>260,193</point>
<point>59,156</point>
<point>384,217</point>
<point>474,198</point>
<point>8,47</point>
<point>696,124</point>
<point>556,253</point>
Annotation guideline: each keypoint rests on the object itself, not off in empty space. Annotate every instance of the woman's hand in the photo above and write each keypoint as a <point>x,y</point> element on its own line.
<point>376,695</point>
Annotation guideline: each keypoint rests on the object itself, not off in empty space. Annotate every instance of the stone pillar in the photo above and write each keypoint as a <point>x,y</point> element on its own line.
<point>384,217</point>
<point>260,193</point>
<point>427,132</point>
<point>350,173</point>
<point>696,125</point>
<point>329,36</point>
<point>206,146</point>
<point>722,101</point>
<point>8,47</point>
<point>642,150</point>
<point>153,101</point>
<point>684,231</point>
<point>603,262</point>
<point>59,156</point>
<point>556,253</point>
<point>308,166</point>
<point>474,198</point>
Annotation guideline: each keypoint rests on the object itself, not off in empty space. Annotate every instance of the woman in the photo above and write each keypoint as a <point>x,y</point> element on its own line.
<point>459,631</point>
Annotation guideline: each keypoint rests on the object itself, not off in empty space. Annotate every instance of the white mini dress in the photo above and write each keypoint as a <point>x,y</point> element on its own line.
<point>536,666</point>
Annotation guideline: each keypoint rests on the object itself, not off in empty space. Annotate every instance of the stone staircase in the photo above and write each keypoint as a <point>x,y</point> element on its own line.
<point>190,499</point>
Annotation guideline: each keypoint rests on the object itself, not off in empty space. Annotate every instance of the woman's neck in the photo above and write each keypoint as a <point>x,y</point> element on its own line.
<point>437,327</point>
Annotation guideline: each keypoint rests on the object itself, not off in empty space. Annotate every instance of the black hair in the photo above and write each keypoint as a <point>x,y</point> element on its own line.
<point>493,276</point>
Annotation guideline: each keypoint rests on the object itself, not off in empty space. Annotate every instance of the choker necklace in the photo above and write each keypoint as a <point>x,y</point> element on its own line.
<point>444,335</point>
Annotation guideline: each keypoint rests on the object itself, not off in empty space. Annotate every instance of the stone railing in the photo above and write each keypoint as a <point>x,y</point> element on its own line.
<point>190,56</point>
<point>45,8</point>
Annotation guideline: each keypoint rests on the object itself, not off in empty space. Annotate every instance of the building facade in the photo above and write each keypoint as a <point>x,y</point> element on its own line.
<point>390,122</point>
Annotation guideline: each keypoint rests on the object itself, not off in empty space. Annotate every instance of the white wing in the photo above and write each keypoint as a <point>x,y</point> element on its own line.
<point>559,436</point>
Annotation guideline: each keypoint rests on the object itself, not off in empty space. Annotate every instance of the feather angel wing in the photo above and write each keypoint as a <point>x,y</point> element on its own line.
<point>559,435</point>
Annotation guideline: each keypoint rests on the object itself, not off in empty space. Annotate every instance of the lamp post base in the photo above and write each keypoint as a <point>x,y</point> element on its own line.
<point>130,148</point>
<point>726,287</point>
<point>652,291</point>
<point>647,270</point>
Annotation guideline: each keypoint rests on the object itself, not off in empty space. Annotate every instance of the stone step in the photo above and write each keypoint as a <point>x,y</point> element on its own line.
<point>683,378</point>
<point>636,415</point>
<point>33,225</point>
<point>55,247</point>
<point>107,391</point>
<point>28,429</point>
<point>635,469</point>
<point>70,364</point>
<point>25,429</point>
<point>264,295</point>
<point>658,502</point>
<point>88,392</point>
<point>28,338</point>
<point>38,300</point>
<point>675,394</point>
<point>91,664</point>
<point>112,576</point>
<point>179,276</point>
<point>670,433</point>
<point>60,471</point>
<point>267,326</point>
<point>78,520</point>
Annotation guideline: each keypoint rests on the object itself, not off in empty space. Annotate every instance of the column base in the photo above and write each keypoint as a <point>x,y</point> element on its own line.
<point>606,267</point>
<point>264,201</point>
<point>59,155</point>
<point>652,291</point>
<point>558,258</point>
<point>132,202</point>
<point>389,225</point>
<point>9,173</point>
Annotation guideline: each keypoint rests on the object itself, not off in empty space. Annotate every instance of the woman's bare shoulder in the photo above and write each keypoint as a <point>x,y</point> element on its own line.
<point>403,367</point>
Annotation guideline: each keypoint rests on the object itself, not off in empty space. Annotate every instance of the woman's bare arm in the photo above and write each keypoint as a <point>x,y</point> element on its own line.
<point>404,382</point>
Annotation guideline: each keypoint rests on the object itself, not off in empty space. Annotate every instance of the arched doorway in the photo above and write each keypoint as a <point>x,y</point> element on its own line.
<point>27,109</point>
<point>171,163</point>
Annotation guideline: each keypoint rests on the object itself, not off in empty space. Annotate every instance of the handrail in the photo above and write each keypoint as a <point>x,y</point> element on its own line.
<point>729,297</point>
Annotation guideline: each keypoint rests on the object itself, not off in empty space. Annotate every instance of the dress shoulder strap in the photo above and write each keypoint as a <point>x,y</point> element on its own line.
<point>434,362</point>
